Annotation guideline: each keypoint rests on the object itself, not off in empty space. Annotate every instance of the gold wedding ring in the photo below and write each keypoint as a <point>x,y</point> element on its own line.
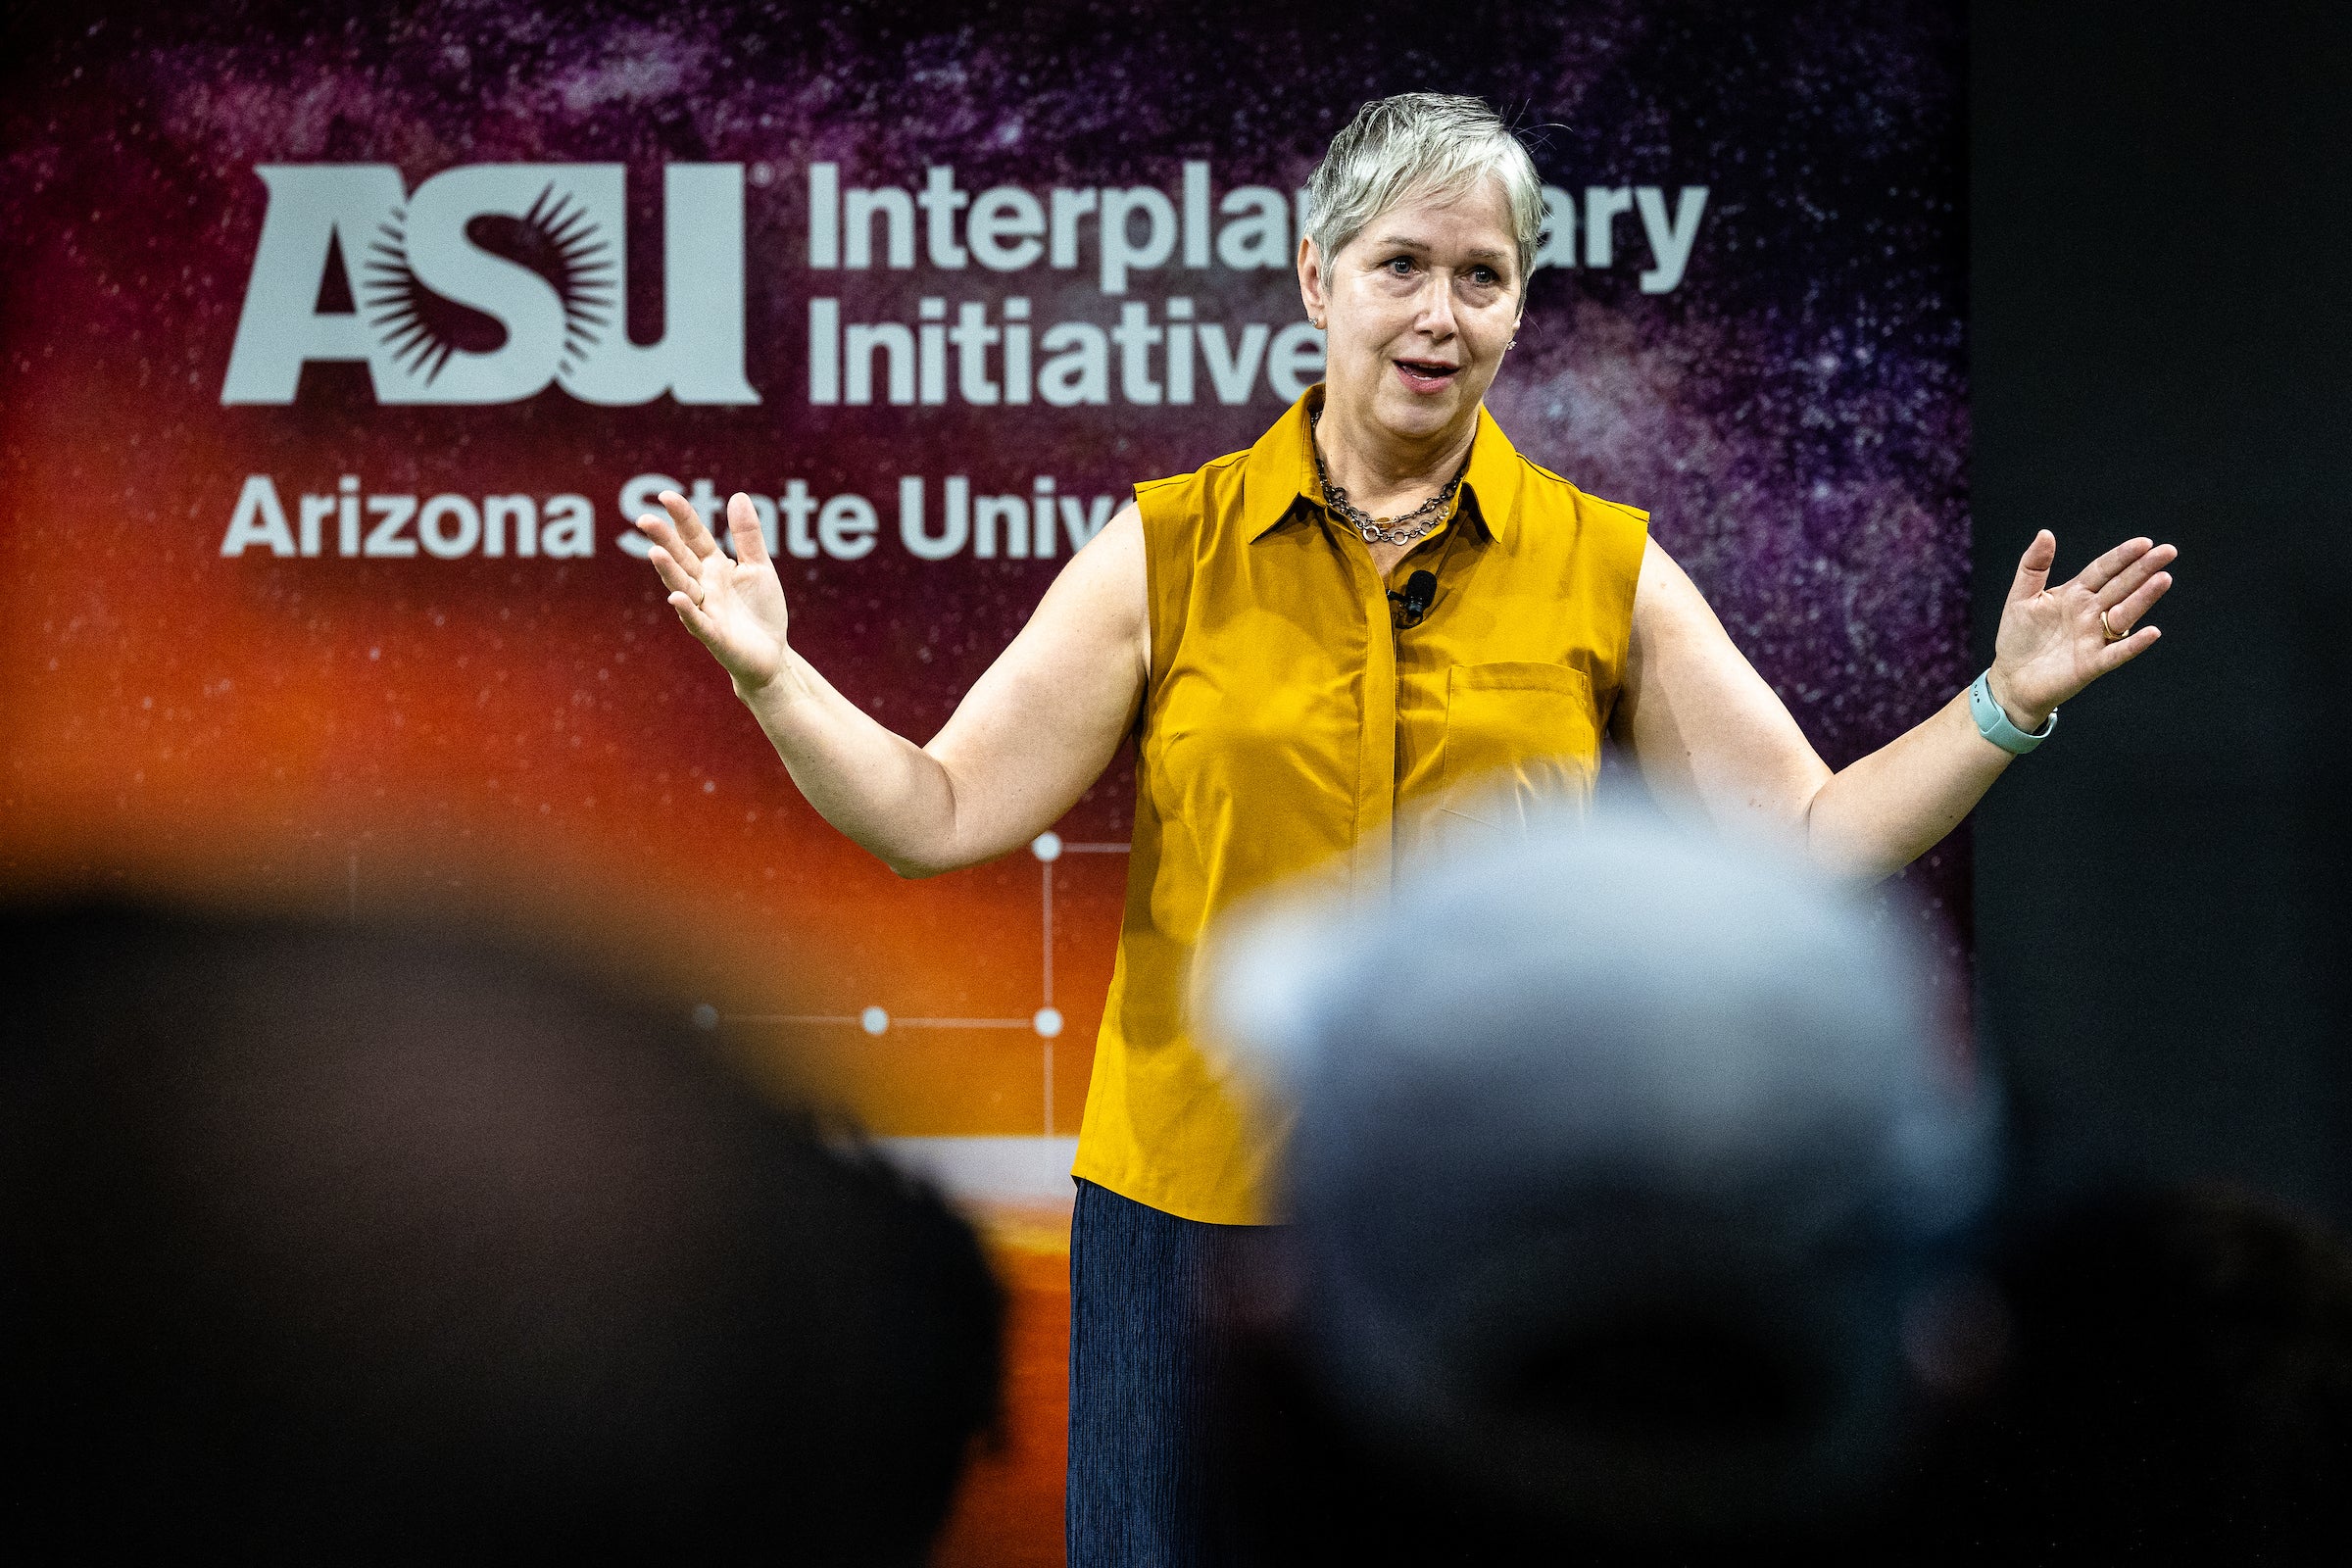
<point>2111,634</point>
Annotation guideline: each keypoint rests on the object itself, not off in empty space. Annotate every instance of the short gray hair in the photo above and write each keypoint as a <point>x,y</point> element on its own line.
<point>1417,143</point>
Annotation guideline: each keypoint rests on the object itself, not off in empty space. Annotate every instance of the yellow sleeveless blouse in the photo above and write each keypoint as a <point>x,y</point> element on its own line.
<point>1287,731</point>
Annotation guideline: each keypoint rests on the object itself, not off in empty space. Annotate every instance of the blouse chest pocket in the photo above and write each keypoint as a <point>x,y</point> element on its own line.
<point>1515,732</point>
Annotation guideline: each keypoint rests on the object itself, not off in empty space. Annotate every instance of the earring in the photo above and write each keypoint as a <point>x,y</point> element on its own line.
<point>1512,344</point>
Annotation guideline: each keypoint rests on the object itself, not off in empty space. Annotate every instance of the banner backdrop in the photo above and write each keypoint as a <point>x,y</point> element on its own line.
<point>340,345</point>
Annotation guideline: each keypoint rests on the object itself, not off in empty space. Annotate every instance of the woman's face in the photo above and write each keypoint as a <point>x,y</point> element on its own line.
<point>1418,308</point>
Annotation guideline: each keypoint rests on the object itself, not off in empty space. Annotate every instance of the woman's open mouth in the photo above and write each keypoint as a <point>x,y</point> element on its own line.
<point>1426,376</point>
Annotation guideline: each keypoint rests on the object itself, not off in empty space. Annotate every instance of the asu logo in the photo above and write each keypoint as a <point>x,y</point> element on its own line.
<point>490,282</point>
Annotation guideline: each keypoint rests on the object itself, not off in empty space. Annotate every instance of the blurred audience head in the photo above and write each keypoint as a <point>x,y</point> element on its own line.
<point>1633,1188</point>
<point>345,1245</point>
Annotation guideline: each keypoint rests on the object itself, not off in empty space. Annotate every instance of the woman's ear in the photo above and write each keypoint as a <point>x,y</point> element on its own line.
<point>1312,292</point>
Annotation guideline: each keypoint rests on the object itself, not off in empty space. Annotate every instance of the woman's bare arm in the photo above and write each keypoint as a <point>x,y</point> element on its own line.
<point>1033,732</point>
<point>1714,743</point>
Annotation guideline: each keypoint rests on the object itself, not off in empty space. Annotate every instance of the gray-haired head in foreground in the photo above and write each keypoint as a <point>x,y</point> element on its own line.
<point>1629,1174</point>
<point>1419,143</point>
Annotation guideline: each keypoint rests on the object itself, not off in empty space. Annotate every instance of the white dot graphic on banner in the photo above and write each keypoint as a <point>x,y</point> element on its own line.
<point>1046,1022</point>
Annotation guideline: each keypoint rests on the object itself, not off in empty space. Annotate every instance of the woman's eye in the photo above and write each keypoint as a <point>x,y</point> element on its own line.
<point>1402,266</point>
<point>1485,276</point>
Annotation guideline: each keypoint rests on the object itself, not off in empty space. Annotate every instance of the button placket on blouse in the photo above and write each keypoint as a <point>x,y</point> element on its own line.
<point>1376,743</point>
<point>1375,849</point>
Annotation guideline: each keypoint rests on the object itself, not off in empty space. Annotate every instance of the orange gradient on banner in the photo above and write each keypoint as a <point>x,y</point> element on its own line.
<point>365,738</point>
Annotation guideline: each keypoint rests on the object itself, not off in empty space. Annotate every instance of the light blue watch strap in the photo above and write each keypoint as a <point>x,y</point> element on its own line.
<point>1993,720</point>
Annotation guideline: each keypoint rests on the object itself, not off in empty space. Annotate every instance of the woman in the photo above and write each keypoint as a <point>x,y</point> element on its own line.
<point>1293,718</point>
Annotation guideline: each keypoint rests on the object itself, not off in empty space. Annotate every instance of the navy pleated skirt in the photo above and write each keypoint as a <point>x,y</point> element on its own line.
<point>1148,1344</point>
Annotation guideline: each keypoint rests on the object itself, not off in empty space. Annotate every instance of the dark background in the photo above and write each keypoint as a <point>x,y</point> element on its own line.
<point>2162,249</point>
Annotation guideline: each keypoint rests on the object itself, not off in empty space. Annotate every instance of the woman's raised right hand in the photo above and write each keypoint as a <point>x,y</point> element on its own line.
<point>735,607</point>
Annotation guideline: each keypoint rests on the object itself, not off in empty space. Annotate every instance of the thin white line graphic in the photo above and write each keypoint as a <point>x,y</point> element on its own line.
<point>1048,847</point>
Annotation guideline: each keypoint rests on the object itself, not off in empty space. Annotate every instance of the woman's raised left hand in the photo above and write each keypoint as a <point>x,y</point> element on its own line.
<point>2052,643</point>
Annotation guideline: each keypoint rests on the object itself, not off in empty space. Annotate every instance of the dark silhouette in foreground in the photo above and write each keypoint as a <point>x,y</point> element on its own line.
<point>2160,1375</point>
<point>1641,1223</point>
<point>326,1244</point>
<point>1654,1220</point>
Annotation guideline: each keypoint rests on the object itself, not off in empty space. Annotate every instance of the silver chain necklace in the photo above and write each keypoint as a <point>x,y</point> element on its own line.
<point>1414,525</point>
